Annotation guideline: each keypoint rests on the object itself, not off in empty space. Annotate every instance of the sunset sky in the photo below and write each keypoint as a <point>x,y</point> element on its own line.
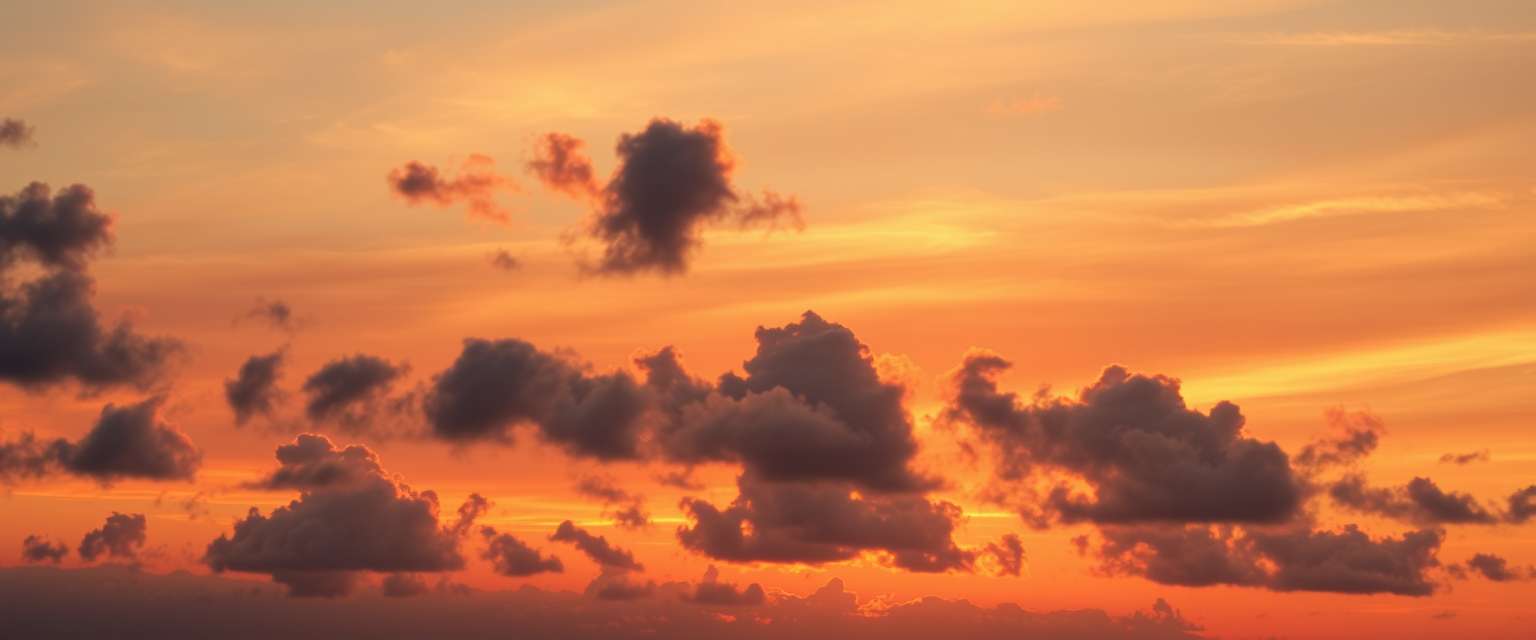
<point>1119,319</point>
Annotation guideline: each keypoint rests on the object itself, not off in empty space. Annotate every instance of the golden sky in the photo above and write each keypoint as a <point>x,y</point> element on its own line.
<point>1322,212</point>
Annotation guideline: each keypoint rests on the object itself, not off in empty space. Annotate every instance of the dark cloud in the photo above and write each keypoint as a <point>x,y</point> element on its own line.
<point>1481,455</point>
<point>275,313</point>
<point>560,165</point>
<point>619,584</point>
<point>627,509</point>
<point>1344,561</point>
<point>505,261</point>
<point>121,537</point>
<point>819,522</point>
<point>495,386</point>
<point>672,181</point>
<point>1522,505</point>
<point>404,585</point>
<point>514,558</point>
<point>711,591</point>
<point>254,391</point>
<point>1421,501</point>
<point>474,507</point>
<point>46,603</point>
<point>351,391</point>
<point>596,547</point>
<point>476,184</point>
<point>351,516</point>
<point>1007,554</point>
<point>311,462</point>
<point>60,230</point>
<point>26,457</point>
<point>1356,435</point>
<point>1147,456</point>
<point>16,133</point>
<point>49,332</point>
<point>1496,568</point>
<point>131,442</point>
<point>811,407</point>
<point>37,549</point>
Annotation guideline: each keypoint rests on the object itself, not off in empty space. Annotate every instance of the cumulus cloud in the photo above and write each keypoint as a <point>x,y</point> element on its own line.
<point>16,133</point>
<point>126,442</point>
<point>352,391</point>
<point>38,549</point>
<point>475,184</point>
<point>711,591</point>
<point>1421,501</point>
<point>49,330</point>
<point>254,391</point>
<point>141,604</point>
<point>1293,559</point>
<point>672,181</point>
<point>1522,505</point>
<point>1007,555</point>
<point>351,516</point>
<point>1491,567</point>
<point>596,547</point>
<point>26,457</point>
<point>627,509</point>
<point>512,557</point>
<point>1356,435</point>
<point>120,537</point>
<point>561,165</point>
<point>495,386</point>
<point>1147,456</point>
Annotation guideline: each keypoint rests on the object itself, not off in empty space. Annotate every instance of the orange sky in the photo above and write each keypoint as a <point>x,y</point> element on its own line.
<point>1292,205</point>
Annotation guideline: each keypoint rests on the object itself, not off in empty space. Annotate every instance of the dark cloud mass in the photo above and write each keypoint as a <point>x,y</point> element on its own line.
<point>711,591</point>
<point>1296,559</point>
<point>49,330</point>
<point>560,165</point>
<point>512,557</point>
<point>1147,455</point>
<point>1357,434</point>
<point>1421,501</point>
<point>1522,505</point>
<point>47,603</point>
<point>254,391</point>
<point>627,509</point>
<point>131,442</point>
<point>672,181</point>
<point>16,133</point>
<point>596,547</point>
<point>476,184</point>
<point>38,549</point>
<point>120,537</point>
<point>1496,568</point>
<point>349,391</point>
<point>351,516</point>
<point>495,386</point>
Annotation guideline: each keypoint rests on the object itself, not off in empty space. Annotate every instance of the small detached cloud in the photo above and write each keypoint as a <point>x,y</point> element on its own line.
<point>38,549</point>
<point>476,184</point>
<point>16,133</point>
<point>120,537</point>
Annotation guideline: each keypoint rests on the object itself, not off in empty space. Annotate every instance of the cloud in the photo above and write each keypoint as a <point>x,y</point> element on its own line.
<point>130,441</point>
<point>505,261</point>
<point>121,537</point>
<point>1481,455</point>
<point>495,386</point>
<point>619,584</point>
<point>1522,505</point>
<point>139,604</point>
<point>351,516</point>
<point>820,522</point>
<point>1147,456</point>
<point>474,507</point>
<point>16,133</point>
<point>1294,559</point>
<point>711,591</point>
<point>276,313</point>
<point>627,509</point>
<point>253,391</point>
<point>476,184</point>
<point>37,549</point>
<point>26,457</point>
<point>49,330</point>
<point>1493,568</point>
<point>1007,554</point>
<point>512,557</point>
<point>1421,501</point>
<point>1357,434</point>
<point>672,182</point>
<point>560,165</point>
<point>596,547</point>
<point>351,391</point>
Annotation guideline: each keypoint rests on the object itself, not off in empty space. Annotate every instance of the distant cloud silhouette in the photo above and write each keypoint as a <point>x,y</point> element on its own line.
<point>559,163</point>
<point>37,549</point>
<point>16,133</point>
<point>254,391</point>
<point>475,184</point>
<point>120,537</point>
